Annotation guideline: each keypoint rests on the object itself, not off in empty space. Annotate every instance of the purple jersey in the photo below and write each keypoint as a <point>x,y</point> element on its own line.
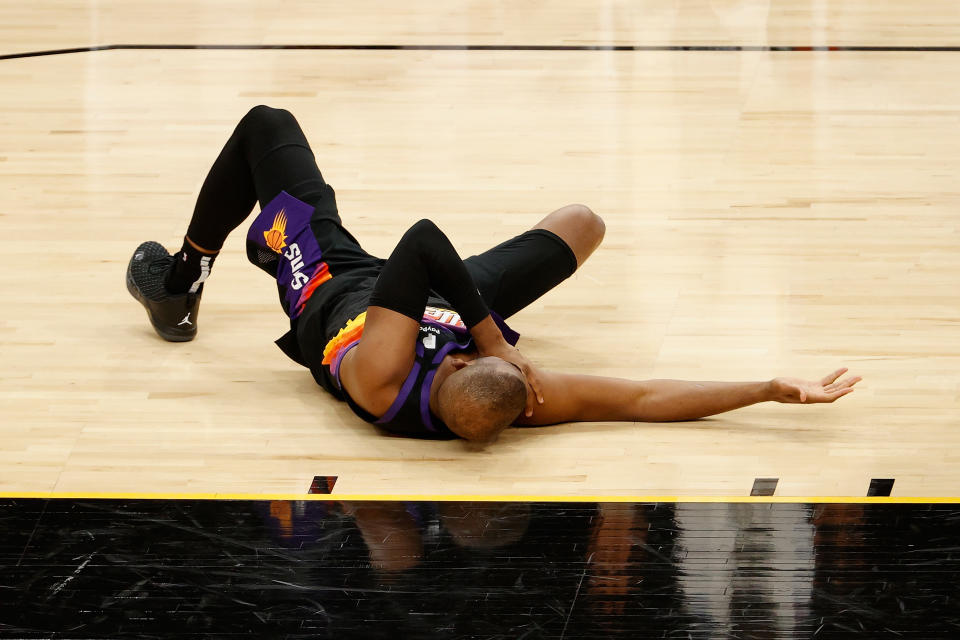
<point>281,243</point>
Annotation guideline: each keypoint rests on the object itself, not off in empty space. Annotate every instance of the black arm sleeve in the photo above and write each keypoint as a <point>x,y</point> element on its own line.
<point>423,260</point>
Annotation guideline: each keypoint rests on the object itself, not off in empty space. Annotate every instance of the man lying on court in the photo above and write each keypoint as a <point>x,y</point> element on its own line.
<point>415,344</point>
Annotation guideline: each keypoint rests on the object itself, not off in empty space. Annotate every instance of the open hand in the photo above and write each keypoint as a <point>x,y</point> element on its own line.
<point>512,355</point>
<point>796,391</point>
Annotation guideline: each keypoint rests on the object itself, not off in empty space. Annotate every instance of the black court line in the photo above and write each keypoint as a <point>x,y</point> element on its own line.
<point>475,47</point>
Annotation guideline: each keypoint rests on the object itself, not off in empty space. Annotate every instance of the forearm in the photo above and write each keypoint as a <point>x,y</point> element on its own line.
<point>674,400</point>
<point>487,335</point>
<point>423,260</point>
<point>582,398</point>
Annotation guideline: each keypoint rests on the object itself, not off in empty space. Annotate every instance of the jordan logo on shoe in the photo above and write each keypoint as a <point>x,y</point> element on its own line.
<point>186,320</point>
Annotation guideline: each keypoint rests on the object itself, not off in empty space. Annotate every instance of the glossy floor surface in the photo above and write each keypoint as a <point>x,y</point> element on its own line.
<point>768,213</point>
<point>55,24</point>
<point>220,569</point>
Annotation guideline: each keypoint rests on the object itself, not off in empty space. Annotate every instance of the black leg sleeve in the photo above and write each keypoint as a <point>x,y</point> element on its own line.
<point>266,154</point>
<point>423,260</point>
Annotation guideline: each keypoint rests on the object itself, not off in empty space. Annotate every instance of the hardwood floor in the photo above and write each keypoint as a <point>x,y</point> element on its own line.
<point>768,213</point>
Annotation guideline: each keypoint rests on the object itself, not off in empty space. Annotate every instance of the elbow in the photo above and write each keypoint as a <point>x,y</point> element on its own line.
<point>649,406</point>
<point>425,223</point>
<point>422,235</point>
<point>424,227</point>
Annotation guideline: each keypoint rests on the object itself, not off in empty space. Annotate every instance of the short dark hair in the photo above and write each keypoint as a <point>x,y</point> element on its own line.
<point>483,400</point>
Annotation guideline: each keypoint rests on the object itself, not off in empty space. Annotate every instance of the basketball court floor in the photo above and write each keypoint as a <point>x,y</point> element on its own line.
<point>779,182</point>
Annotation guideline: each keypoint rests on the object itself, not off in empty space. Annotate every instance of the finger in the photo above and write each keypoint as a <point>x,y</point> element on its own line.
<point>846,383</point>
<point>850,381</point>
<point>832,377</point>
<point>842,393</point>
<point>534,381</point>
<point>803,396</point>
<point>528,408</point>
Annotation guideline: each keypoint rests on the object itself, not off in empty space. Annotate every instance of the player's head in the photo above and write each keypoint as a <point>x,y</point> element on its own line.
<point>481,397</point>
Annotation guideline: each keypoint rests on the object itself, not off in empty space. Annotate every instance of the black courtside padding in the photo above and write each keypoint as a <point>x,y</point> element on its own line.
<point>326,569</point>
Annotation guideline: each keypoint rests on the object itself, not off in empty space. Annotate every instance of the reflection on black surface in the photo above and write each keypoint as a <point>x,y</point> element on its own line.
<point>73,568</point>
<point>747,566</point>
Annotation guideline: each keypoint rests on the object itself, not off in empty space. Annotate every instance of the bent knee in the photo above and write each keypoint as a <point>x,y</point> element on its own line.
<point>264,116</point>
<point>586,221</point>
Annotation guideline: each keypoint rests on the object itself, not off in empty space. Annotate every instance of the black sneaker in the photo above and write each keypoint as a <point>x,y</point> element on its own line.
<point>174,317</point>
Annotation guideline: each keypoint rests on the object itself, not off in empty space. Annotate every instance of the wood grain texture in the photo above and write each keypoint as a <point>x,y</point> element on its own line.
<point>55,24</point>
<point>767,214</point>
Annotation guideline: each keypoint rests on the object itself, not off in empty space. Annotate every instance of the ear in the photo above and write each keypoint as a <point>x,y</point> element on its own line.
<point>458,364</point>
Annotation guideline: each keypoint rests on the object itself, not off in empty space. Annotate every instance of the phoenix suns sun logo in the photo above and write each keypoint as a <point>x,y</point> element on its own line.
<point>275,237</point>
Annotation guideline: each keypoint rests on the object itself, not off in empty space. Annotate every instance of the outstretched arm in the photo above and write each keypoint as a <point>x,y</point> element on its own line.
<point>581,398</point>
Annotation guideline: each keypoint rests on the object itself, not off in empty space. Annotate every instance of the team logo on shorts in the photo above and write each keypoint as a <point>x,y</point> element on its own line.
<point>275,237</point>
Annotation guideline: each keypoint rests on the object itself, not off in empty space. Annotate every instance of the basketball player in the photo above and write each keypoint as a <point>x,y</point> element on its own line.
<point>416,344</point>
